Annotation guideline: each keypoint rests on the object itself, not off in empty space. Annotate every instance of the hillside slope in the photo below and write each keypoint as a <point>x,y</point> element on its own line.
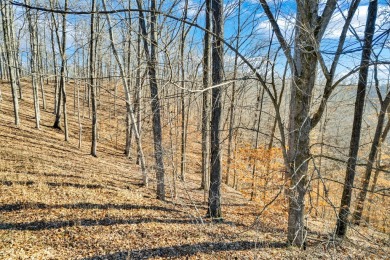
<point>58,202</point>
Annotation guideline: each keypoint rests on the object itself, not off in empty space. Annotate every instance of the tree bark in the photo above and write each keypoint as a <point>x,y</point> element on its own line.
<point>41,68</point>
<point>232,102</point>
<point>55,72</point>
<point>260,99</point>
<point>304,75</point>
<point>182,97</point>
<point>378,166</point>
<point>357,215</point>
<point>138,85</point>
<point>8,38</point>
<point>155,103</point>
<point>205,99</point>
<point>92,79</point>
<point>63,72</point>
<point>214,201</point>
<point>342,221</point>
<point>129,107</point>
<point>32,25</point>
<point>59,98</point>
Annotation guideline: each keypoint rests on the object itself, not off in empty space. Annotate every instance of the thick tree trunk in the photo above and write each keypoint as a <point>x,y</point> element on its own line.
<point>309,31</point>
<point>342,221</point>
<point>305,61</point>
<point>155,103</point>
<point>214,201</point>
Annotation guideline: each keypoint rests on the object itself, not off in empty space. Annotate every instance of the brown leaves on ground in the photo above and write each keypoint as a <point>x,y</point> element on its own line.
<point>58,202</point>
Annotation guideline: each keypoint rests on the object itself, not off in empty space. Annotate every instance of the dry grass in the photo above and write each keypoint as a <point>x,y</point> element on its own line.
<point>58,202</point>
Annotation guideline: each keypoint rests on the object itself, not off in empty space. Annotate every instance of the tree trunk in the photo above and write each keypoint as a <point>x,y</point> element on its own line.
<point>357,215</point>
<point>205,101</point>
<point>256,145</point>
<point>214,201</point>
<point>182,97</point>
<point>59,91</point>
<point>138,85</point>
<point>232,102</point>
<point>92,77</point>
<point>309,31</point>
<point>378,166</point>
<point>32,25</point>
<point>305,61</point>
<point>78,114</point>
<point>342,221</point>
<point>63,72</point>
<point>8,38</point>
<point>129,108</point>
<point>41,68</point>
<point>155,103</point>
<point>14,45</point>
<point>127,72</point>
<point>56,82</point>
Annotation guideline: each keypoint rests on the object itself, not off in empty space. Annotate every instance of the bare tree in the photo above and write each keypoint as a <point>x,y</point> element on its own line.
<point>357,215</point>
<point>233,95</point>
<point>58,98</point>
<point>205,98</point>
<point>63,72</point>
<point>342,221</point>
<point>6,11</point>
<point>309,31</point>
<point>92,78</point>
<point>151,58</point>
<point>214,201</point>
<point>182,96</point>
<point>32,24</point>
<point>379,167</point>
<point>129,107</point>
<point>41,67</point>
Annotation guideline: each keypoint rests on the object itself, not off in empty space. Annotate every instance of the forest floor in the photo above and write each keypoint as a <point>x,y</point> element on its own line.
<point>58,202</point>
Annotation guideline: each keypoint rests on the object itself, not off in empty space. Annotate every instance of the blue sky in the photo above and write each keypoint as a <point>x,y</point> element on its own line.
<point>257,30</point>
<point>256,33</point>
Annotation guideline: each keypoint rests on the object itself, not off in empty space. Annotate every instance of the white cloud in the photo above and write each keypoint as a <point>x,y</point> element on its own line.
<point>286,25</point>
<point>192,8</point>
<point>358,21</point>
<point>384,72</point>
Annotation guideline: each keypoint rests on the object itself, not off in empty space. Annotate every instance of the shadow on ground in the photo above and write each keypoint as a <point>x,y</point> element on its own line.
<point>188,250</point>
<point>54,184</point>
<point>24,206</point>
<point>46,225</point>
